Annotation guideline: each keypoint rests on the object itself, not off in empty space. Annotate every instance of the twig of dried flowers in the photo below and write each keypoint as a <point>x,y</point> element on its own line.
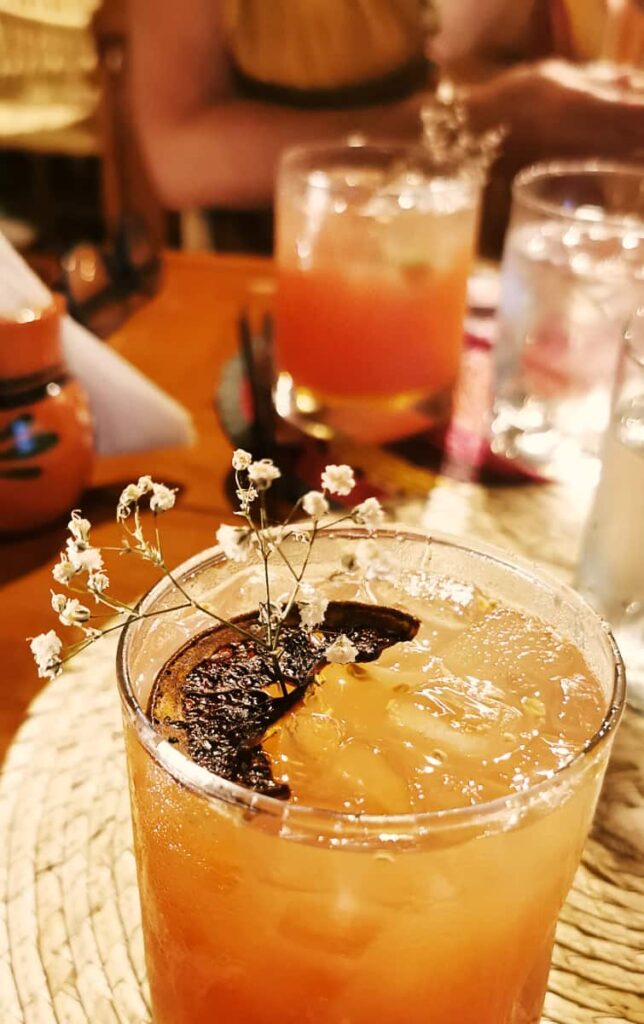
<point>81,569</point>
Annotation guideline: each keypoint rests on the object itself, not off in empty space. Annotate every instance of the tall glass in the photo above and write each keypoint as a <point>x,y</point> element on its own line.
<point>611,569</point>
<point>374,247</point>
<point>257,911</point>
<point>573,267</point>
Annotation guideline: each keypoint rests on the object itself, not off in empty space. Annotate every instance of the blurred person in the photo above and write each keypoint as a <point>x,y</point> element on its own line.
<point>523,65</point>
<point>220,87</point>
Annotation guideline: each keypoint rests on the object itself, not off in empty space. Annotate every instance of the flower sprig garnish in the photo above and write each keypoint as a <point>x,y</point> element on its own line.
<point>90,607</point>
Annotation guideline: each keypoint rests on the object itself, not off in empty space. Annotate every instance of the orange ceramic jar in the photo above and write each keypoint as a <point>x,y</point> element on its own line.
<point>46,446</point>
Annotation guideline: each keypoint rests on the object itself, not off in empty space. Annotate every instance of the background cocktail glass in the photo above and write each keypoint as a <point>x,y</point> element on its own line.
<point>259,911</point>
<point>611,567</point>
<point>573,266</point>
<point>374,247</point>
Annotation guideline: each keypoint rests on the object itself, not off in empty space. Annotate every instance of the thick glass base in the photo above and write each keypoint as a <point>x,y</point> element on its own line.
<point>370,419</point>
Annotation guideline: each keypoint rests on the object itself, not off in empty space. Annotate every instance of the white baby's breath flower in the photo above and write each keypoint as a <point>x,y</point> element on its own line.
<point>338,479</point>
<point>84,559</point>
<point>162,498</point>
<point>315,504</point>
<point>234,541</point>
<point>79,528</point>
<point>245,496</point>
<point>129,497</point>
<point>312,610</point>
<point>341,651</point>
<point>63,570</point>
<point>262,473</point>
<point>46,648</point>
<point>145,484</point>
<point>369,513</point>
<point>69,610</point>
<point>241,459</point>
<point>369,559</point>
<point>91,632</point>
<point>97,582</point>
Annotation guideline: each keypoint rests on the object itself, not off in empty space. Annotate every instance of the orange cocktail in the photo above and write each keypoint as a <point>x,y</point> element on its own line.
<point>374,246</point>
<point>440,798</point>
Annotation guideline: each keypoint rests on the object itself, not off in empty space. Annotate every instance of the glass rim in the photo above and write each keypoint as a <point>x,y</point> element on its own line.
<point>217,790</point>
<point>526,178</point>
<point>635,347</point>
<point>293,157</point>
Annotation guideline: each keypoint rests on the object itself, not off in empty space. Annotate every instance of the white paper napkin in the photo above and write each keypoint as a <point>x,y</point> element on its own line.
<point>130,412</point>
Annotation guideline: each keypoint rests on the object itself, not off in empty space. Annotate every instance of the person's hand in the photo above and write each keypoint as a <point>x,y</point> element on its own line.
<point>556,109</point>
<point>552,109</point>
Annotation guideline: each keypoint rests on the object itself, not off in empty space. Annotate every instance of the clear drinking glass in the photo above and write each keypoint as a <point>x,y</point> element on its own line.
<point>257,911</point>
<point>573,267</point>
<point>611,568</point>
<point>374,247</point>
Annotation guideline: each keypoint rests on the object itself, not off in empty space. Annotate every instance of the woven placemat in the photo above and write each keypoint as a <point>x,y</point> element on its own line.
<point>70,934</point>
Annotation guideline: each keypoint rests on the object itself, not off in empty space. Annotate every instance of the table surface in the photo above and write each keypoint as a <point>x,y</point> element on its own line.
<point>180,339</point>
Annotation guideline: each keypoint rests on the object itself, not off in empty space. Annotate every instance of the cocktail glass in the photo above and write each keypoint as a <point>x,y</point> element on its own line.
<point>611,571</point>
<point>256,910</point>
<point>573,267</point>
<point>374,247</point>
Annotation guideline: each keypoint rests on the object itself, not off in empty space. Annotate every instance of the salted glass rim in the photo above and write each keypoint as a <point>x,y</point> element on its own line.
<point>220,790</point>
<point>529,176</point>
<point>294,160</point>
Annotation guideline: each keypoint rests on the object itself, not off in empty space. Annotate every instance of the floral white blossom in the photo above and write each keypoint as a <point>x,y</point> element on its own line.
<point>129,497</point>
<point>241,459</point>
<point>369,559</point>
<point>341,651</point>
<point>69,610</point>
<point>162,498</point>
<point>79,528</point>
<point>97,582</point>
<point>234,541</point>
<point>312,610</point>
<point>315,504</point>
<point>245,496</point>
<point>46,648</point>
<point>262,473</point>
<point>145,484</point>
<point>338,479</point>
<point>63,570</point>
<point>369,513</point>
<point>84,559</point>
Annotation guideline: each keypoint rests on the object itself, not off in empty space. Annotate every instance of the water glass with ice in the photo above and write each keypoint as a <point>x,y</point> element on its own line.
<point>573,270</point>
<point>611,569</point>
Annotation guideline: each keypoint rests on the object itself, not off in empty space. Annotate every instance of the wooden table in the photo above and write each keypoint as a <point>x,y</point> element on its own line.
<point>181,340</point>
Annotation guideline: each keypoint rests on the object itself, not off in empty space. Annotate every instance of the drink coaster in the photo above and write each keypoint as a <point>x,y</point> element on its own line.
<point>70,934</point>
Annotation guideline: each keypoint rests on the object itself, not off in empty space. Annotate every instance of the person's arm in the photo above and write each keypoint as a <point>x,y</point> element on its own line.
<point>204,145</point>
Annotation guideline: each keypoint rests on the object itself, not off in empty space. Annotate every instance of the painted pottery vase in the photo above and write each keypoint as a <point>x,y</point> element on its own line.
<point>46,443</point>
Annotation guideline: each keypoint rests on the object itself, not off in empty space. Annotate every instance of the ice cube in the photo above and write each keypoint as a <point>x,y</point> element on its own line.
<point>368,779</point>
<point>512,651</point>
<point>458,716</point>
